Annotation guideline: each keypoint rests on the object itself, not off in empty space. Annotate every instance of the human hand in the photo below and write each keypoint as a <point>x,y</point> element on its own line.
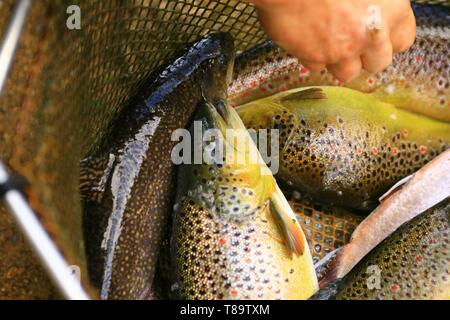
<point>344,36</point>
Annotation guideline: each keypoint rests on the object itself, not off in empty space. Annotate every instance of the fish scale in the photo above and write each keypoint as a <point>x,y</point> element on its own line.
<point>128,184</point>
<point>232,228</point>
<point>414,263</point>
<point>342,146</point>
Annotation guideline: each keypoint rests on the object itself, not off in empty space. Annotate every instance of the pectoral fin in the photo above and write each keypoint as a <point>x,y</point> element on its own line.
<point>291,229</point>
<point>94,174</point>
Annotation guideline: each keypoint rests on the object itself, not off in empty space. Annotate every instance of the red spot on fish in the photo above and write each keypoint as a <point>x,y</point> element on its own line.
<point>394,287</point>
<point>222,241</point>
<point>282,88</point>
<point>370,81</point>
<point>304,70</point>
<point>234,293</point>
<point>263,89</point>
<point>358,150</point>
<point>405,132</point>
<point>248,260</point>
<point>340,83</point>
<point>394,151</point>
<point>419,259</point>
<point>254,84</point>
<point>419,59</point>
<point>374,151</point>
<point>271,86</point>
<point>233,105</point>
<point>422,149</point>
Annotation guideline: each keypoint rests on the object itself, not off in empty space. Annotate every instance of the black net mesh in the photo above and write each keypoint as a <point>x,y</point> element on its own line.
<point>66,85</point>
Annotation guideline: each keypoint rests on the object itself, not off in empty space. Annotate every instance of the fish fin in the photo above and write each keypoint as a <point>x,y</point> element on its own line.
<point>94,173</point>
<point>288,222</point>
<point>396,187</point>
<point>307,94</point>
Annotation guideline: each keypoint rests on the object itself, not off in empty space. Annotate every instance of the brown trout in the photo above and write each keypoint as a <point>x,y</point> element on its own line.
<point>234,234</point>
<point>415,194</point>
<point>345,147</point>
<point>413,263</point>
<point>418,80</point>
<point>128,184</point>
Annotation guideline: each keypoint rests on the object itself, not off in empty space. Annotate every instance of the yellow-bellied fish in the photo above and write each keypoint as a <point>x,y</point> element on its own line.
<point>345,147</point>
<point>235,235</point>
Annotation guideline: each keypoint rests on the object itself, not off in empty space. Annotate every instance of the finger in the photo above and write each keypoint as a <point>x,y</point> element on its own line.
<point>378,54</point>
<point>346,70</point>
<point>403,35</point>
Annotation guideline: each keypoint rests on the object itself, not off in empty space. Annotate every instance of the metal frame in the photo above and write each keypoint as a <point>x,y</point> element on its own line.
<point>16,203</point>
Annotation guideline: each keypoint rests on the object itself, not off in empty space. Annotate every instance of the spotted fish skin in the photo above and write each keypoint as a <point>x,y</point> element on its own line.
<point>326,228</point>
<point>128,184</point>
<point>413,263</point>
<point>418,79</point>
<point>345,147</point>
<point>226,243</point>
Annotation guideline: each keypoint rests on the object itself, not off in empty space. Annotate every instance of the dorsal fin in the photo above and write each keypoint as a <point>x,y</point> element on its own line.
<point>307,94</point>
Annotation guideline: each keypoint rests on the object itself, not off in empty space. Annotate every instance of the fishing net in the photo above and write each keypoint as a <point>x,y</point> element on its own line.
<point>66,85</point>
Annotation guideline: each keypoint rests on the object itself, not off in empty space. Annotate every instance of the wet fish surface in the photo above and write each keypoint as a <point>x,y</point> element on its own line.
<point>412,196</point>
<point>413,263</point>
<point>235,235</point>
<point>128,185</point>
<point>342,146</point>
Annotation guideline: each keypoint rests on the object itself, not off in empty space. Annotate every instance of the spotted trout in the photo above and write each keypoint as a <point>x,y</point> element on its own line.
<point>128,184</point>
<point>345,147</point>
<point>234,234</point>
<point>413,263</point>
<point>406,200</point>
<point>418,79</point>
